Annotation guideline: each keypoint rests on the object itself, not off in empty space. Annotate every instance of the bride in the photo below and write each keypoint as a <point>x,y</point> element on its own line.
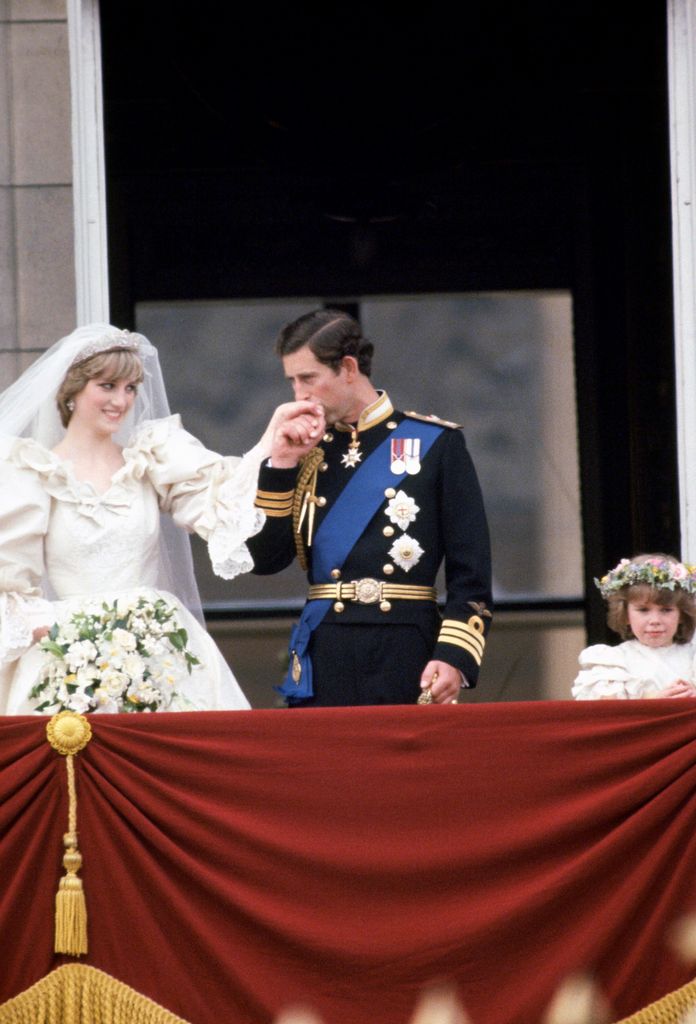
<point>99,608</point>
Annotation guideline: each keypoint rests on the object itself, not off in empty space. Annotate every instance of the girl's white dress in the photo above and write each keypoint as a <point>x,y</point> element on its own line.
<point>55,529</point>
<point>632,669</point>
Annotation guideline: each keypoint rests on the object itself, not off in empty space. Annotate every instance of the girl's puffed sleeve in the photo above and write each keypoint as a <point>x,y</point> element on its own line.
<point>205,493</point>
<point>24,512</point>
<point>603,673</point>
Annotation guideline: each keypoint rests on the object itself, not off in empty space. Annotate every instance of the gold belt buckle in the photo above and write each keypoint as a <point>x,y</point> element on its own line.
<point>367,591</point>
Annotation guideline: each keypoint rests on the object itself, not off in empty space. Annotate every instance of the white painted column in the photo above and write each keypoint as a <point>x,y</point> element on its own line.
<point>89,173</point>
<point>682,105</point>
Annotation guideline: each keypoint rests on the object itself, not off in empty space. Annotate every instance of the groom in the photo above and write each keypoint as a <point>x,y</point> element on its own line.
<point>370,512</point>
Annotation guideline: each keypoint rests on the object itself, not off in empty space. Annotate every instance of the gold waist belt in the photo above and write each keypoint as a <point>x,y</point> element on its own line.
<point>369,591</point>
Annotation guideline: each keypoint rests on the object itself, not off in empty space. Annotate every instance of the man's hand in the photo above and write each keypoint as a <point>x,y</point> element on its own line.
<point>294,429</point>
<point>443,680</point>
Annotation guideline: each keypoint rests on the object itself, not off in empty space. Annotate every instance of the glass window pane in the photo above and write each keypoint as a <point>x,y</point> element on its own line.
<point>501,364</point>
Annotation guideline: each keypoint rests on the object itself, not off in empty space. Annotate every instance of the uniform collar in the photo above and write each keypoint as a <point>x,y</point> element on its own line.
<point>376,412</point>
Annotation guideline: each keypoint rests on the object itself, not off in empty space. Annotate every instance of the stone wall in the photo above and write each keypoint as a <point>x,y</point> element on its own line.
<point>37,268</point>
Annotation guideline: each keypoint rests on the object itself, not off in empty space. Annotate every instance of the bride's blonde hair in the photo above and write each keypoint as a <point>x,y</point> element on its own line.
<point>113,364</point>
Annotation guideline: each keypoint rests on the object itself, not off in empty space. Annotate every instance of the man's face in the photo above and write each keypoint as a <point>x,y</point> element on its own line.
<point>316,382</point>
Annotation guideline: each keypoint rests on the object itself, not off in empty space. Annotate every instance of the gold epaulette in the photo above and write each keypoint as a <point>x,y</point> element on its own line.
<point>305,491</point>
<point>432,418</point>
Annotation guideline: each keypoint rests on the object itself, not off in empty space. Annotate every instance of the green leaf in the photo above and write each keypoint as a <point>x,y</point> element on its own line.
<point>53,648</point>
<point>177,640</point>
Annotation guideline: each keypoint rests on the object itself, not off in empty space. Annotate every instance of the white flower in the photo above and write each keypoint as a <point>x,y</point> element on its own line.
<point>78,654</point>
<point>154,648</point>
<point>122,638</point>
<point>79,702</point>
<point>110,656</point>
<point>105,703</point>
<point>402,510</point>
<point>69,633</point>
<point>141,692</point>
<point>113,681</point>
<point>133,666</point>
<point>86,675</point>
<point>406,552</point>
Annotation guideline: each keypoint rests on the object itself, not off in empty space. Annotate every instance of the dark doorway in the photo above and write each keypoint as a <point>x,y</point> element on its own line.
<point>495,147</point>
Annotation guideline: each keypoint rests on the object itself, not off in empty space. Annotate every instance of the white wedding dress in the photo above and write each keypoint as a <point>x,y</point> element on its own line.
<point>60,538</point>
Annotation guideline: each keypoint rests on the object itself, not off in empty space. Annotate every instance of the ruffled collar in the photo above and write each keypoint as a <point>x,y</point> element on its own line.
<point>59,481</point>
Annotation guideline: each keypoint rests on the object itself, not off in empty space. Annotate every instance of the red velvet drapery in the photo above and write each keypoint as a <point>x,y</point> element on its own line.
<point>235,863</point>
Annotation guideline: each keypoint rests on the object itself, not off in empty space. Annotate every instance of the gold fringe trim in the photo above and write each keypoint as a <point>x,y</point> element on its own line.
<point>671,1009</point>
<point>76,993</point>
<point>68,733</point>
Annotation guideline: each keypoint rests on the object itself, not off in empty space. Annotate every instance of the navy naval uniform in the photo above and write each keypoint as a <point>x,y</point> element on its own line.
<point>382,624</point>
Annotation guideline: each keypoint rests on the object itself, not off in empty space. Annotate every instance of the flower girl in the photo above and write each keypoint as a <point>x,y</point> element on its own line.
<point>651,606</point>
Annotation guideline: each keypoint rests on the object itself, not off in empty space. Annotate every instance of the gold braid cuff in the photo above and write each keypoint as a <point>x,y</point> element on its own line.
<point>68,733</point>
<point>275,504</point>
<point>305,498</point>
<point>467,635</point>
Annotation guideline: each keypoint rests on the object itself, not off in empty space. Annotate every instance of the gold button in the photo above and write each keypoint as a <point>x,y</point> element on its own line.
<point>388,531</point>
<point>390,493</point>
<point>323,467</point>
<point>385,606</point>
<point>321,501</point>
<point>339,606</point>
<point>391,425</point>
<point>328,436</point>
<point>388,569</point>
<point>336,574</point>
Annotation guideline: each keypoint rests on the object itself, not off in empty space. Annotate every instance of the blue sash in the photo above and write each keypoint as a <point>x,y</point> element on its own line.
<point>341,528</point>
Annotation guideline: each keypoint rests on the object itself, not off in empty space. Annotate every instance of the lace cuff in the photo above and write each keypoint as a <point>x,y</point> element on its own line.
<point>236,519</point>
<point>19,617</point>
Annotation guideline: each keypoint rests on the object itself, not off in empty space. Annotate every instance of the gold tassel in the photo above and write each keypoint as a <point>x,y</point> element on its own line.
<point>68,733</point>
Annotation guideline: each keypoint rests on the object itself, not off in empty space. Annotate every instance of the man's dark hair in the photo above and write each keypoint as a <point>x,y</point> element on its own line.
<point>331,334</point>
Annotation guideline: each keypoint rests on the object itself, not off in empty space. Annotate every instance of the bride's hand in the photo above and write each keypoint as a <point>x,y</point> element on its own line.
<point>39,633</point>
<point>294,429</point>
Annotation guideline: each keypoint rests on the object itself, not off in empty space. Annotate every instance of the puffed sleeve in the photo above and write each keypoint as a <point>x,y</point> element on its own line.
<point>24,512</point>
<point>604,672</point>
<point>205,493</point>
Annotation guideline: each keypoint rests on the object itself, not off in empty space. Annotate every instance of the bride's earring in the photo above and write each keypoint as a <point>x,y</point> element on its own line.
<point>71,405</point>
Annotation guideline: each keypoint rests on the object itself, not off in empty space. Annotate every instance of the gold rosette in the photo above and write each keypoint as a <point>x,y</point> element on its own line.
<point>68,732</point>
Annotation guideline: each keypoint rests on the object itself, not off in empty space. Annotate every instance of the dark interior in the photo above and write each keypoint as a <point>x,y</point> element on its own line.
<point>257,153</point>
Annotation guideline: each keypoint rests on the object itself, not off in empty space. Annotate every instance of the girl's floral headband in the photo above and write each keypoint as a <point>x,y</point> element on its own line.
<point>653,572</point>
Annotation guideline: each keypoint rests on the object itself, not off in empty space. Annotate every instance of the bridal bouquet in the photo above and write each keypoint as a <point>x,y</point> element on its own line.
<point>131,655</point>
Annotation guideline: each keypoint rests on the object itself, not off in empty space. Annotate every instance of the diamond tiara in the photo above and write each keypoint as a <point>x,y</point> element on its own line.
<point>109,341</point>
